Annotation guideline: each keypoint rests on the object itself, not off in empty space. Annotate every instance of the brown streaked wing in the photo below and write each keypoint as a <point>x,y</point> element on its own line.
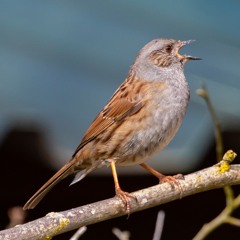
<point>116,110</point>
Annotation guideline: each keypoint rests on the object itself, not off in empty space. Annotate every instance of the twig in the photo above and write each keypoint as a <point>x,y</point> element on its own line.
<point>159,225</point>
<point>231,203</point>
<point>233,221</point>
<point>223,217</point>
<point>218,135</point>
<point>217,126</point>
<point>121,235</point>
<point>78,233</point>
<point>16,216</point>
<point>56,223</point>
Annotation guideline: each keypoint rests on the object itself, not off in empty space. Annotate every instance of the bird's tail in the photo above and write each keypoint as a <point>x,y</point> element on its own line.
<point>61,174</point>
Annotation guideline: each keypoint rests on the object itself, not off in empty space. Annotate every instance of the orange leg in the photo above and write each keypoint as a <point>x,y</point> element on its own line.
<point>157,174</point>
<point>162,178</point>
<point>124,196</point>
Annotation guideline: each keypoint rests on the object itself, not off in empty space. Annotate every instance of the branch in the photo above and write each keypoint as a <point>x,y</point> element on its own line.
<point>56,223</point>
<point>223,217</point>
<point>231,202</point>
<point>203,92</point>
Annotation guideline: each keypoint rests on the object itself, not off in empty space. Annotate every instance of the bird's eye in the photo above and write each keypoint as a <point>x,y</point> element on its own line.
<point>168,48</point>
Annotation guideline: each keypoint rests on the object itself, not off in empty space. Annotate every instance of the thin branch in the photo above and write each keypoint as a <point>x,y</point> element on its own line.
<point>218,135</point>
<point>16,216</point>
<point>233,221</point>
<point>231,203</point>
<point>78,233</point>
<point>159,225</point>
<point>121,235</point>
<point>217,126</point>
<point>223,217</point>
<point>56,223</point>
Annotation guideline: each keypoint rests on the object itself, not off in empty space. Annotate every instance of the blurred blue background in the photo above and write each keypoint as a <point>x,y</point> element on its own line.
<point>60,62</point>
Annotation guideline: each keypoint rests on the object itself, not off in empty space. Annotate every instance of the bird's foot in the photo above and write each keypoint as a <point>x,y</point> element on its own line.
<point>125,197</point>
<point>173,181</point>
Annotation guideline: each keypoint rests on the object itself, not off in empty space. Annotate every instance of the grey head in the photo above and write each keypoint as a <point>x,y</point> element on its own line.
<point>161,55</point>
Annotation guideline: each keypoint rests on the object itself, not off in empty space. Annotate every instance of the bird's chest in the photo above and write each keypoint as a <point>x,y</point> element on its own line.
<point>160,121</point>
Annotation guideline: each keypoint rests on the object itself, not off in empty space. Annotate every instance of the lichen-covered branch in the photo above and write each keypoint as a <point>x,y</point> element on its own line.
<point>231,202</point>
<point>56,223</point>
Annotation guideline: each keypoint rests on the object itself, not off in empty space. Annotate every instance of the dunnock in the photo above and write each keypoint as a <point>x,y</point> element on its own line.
<point>141,118</point>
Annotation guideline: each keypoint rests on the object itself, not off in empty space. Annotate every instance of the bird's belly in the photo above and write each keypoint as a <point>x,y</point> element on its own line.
<point>150,138</point>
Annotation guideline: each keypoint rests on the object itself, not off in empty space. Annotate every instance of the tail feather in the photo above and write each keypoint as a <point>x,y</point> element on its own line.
<point>38,196</point>
<point>65,171</point>
<point>82,174</point>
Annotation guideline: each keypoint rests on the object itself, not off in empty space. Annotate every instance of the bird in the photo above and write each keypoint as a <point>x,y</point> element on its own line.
<point>141,118</point>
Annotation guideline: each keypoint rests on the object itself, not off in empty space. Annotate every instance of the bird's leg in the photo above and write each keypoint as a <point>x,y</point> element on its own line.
<point>124,196</point>
<point>162,178</point>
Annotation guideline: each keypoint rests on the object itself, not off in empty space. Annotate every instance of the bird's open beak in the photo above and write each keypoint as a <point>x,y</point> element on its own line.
<point>185,58</point>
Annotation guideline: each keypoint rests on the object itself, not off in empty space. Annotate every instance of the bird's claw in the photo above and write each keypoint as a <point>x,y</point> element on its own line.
<point>173,181</point>
<point>124,196</point>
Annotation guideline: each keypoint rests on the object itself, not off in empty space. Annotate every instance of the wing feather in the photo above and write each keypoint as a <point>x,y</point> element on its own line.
<point>116,110</point>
